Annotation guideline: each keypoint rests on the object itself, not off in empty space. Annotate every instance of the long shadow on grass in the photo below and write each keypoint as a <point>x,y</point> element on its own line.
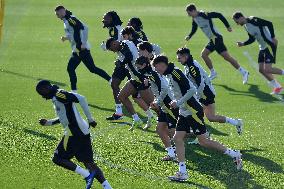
<point>31,77</point>
<point>101,108</point>
<point>253,91</point>
<point>155,145</point>
<point>39,134</point>
<point>214,131</point>
<point>220,167</point>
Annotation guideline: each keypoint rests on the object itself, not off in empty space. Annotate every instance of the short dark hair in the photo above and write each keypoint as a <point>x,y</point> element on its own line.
<point>129,30</point>
<point>41,85</point>
<point>190,7</point>
<point>160,58</point>
<point>237,15</point>
<point>145,45</point>
<point>109,41</point>
<point>115,18</point>
<point>183,50</point>
<point>59,7</point>
<point>136,23</point>
<point>142,60</point>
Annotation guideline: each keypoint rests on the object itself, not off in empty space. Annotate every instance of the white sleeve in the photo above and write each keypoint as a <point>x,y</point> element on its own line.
<point>84,104</point>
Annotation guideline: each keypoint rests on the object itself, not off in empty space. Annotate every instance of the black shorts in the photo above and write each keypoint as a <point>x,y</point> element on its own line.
<point>80,147</point>
<point>216,44</point>
<point>139,86</point>
<point>195,122</point>
<point>167,118</point>
<point>120,72</point>
<point>264,56</point>
<point>209,96</point>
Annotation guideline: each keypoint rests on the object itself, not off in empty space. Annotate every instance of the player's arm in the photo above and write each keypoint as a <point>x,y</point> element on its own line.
<point>221,17</point>
<point>50,122</point>
<point>250,40</point>
<point>80,36</point>
<point>162,87</point>
<point>193,30</point>
<point>262,23</point>
<point>199,80</point>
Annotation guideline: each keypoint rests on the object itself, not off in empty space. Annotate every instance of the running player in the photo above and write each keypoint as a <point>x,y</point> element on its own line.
<point>205,22</point>
<point>205,90</point>
<point>190,116</point>
<point>76,140</point>
<point>136,23</point>
<point>262,31</point>
<point>76,32</point>
<point>128,53</point>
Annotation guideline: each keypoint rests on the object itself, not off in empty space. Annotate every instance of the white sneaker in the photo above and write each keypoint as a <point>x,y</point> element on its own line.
<point>137,123</point>
<point>245,77</point>
<point>179,177</point>
<point>150,121</point>
<point>213,75</point>
<point>240,126</point>
<point>238,161</point>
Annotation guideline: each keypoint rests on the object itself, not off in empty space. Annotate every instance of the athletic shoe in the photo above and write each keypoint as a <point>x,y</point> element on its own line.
<point>245,77</point>
<point>90,180</point>
<point>149,123</point>
<point>114,117</point>
<point>240,126</point>
<point>179,177</point>
<point>213,75</point>
<point>277,90</point>
<point>136,124</point>
<point>169,158</point>
<point>195,141</point>
<point>238,161</point>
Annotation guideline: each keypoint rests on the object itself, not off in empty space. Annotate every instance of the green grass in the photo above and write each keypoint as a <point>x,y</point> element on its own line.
<point>31,50</point>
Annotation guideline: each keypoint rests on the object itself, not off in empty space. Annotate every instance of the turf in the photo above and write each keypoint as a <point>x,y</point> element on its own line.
<point>31,50</point>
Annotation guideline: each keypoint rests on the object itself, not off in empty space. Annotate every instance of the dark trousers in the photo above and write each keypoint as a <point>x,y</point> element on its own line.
<point>86,57</point>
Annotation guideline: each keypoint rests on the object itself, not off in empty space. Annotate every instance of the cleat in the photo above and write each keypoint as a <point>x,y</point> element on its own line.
<point>89,180</point>
<point>245,77</point>
<point>238,161</point>
<point>115,117</point>
<point>179,177</point>
<point>240,126</point>
<point>277,90</point>
<point>213,75</point>
<point>195,141</point>
<point>169,158</point>
<point>136,124</point>
<point>150,121</point>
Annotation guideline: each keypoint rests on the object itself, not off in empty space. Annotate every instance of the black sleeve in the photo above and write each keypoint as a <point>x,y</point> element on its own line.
<point>66,97</point>
<point>115,35</point>
<point>128,57</point>
<point>195,74</point>
<point>156,79</point>
<point>55,122</point>
<point>193,29</point>
<point>250,40</point>
<point>261,22</point>
<point>220,16</point>
<point>77,26</point>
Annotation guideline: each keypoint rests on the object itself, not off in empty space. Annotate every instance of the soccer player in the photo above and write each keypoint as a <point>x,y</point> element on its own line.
<point>166,116</point>
<point>136,23</point>
<point>205,22</point>
<point>205,90</point>
<point>128,53</point>
<point>190,116</point>
<point>76,140</point>
<point>262,31</point>
<point>128,33</point>
<point>76,32</point>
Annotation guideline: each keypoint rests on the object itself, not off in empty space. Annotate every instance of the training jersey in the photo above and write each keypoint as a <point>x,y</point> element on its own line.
<point>115,32</point>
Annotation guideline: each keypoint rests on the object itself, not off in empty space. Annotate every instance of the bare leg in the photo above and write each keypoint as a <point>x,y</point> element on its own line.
<point>230,59</point>
<point>205,56</point>
<point>211,116</point>
<point>115,89</point>
<point>179,142</point>
<point>163,132</point>
<point>124,94</point>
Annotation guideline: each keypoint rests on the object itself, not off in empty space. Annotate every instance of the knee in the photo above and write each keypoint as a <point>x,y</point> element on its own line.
<point>114,85</point>
<point>211,118</point>
<point>261,70</point>
<point>203,141</point>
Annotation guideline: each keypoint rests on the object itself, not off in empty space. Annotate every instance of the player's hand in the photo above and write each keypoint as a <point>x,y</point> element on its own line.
<point>187,38</point>
<point>93,124</point>
<point>229,29</point>
<point>146,82</point>
<point>173,104</point>
<point>275,41</point>
<point>63,38</point>
<point>240,44</point>
<point>42,121</point>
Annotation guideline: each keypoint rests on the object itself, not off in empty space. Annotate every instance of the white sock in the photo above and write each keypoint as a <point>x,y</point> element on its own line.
<point>106,185</point>
<point>242,70</point>
<point>84,172</point>
<point>171,151</point>
<point>182,167</point>
<point>135,117</point>
<point>109,82</point>
<point>212,70</point>
<point>231,121</point>
<point>118,109</point>
<point>149,113</point>
<point>274,83</point>
<point>231,153</point>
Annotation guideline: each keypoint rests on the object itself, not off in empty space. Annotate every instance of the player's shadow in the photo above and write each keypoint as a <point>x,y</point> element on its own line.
<point>214,131</point>
<point>39,134</point>
<point>156,146</point>
<point>220,167</point>
<point>101,108</point>
<point>253,91</point>
<point>31,77</point>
